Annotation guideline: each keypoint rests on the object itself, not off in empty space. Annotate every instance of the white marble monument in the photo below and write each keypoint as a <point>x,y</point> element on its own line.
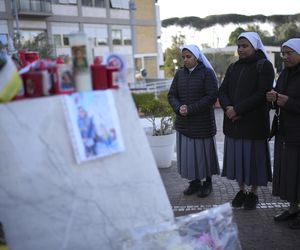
<point>47,201</point>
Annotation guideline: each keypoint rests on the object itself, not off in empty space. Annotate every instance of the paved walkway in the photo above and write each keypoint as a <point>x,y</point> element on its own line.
<point>257,230</point>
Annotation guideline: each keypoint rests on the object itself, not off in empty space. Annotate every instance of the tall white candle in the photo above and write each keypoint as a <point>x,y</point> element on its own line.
<point>81,58</point>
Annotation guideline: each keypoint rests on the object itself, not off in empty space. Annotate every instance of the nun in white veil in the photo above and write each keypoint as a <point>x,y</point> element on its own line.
<point>246,119</point>
<point>286,99</point>
<point>192,95</point>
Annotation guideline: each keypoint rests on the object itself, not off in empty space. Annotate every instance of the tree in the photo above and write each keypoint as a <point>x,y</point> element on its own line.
<point>220,63</point>
<point>264,35</point>
<point>173,55</point>
<point>209,21</point>
<point>285,31</point>
<point>234,35</point>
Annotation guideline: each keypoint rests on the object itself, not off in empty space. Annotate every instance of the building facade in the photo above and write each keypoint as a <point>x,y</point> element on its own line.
<point>130,28</point>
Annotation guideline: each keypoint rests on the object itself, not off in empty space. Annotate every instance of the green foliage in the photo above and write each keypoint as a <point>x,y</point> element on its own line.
<point>220,62</point>
<point>286,30</point>
<point>264,35</point>
<point>154,108</point>
<point>234,35</point>
<point>282,19</point>
<point>281,34</point>
<point>285,25</point>
<point>141,98</point>
<point>170,21</point>
<point>201,23</point>
<point>173,53</point>
<point>177,41</point>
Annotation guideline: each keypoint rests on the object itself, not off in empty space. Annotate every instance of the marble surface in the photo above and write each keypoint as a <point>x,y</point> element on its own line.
<point>47,201</point>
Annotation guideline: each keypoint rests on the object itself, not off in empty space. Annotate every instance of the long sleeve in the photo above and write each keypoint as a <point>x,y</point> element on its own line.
<point>173,95</point>
<point>210,96</point>
<point>265,82</point>
<point>223,90</point>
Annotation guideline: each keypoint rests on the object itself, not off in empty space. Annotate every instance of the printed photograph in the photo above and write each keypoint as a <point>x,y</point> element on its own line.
<point>93,124</point>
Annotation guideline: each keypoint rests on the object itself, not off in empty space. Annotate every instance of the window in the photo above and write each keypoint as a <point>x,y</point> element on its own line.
<point>100,41</point>
<point>121,35</point>
<point>61,40</point>
<point>34,5</point>
<point>60,33</point>
<point>94,3</point>
<point>126,36</point>
<point>138,64</point>
<point>31,36</point>
<point>116,37</point>
<point>119,4</point>
<point>97,32</point>
<point>57,40</point>
<point>34,40</point>
<point>66,41</point>
<point>73,2</point>
<point>99,3</point>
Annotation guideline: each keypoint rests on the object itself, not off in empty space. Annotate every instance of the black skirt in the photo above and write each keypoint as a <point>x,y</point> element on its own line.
<point>286,172</point>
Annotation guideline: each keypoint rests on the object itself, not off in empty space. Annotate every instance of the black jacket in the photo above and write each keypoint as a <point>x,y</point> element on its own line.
<point>289,120</point>
<point>244,88</point>
<point>198,90</point>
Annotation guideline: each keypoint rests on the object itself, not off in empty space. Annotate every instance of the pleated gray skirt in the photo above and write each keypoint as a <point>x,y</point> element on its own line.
<point>247,161</point>
<point>286,172</point>
<point>196,158</point>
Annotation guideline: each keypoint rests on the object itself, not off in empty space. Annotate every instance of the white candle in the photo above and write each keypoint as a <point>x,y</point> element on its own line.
<point>81,61</point>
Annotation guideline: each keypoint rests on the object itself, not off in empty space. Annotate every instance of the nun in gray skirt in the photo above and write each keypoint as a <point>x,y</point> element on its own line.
<point>192,95</point>
<point>246,122</point>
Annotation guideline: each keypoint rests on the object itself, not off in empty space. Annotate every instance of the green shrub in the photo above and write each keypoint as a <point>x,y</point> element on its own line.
<point>153,108</point>
<point>142,98</point>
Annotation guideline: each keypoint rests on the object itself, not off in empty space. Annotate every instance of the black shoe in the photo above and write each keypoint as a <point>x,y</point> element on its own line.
<point>239,199</point>
<point>285,215</point>
<point>205,190</point>
<point>250,201</point>
<point>194,187</point>
<point>295,224</point>
<point>2,236</point>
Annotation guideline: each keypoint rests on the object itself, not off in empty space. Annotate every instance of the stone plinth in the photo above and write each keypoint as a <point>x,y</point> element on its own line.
<point>47,201</point>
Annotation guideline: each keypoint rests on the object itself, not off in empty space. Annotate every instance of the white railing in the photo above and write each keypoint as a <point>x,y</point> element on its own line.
<point>153,87</point>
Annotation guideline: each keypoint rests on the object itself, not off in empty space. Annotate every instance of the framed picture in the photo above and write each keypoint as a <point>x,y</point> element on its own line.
<point>93,124</point>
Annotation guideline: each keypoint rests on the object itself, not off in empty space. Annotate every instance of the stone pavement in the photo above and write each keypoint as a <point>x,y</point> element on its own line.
<point>257,230</point>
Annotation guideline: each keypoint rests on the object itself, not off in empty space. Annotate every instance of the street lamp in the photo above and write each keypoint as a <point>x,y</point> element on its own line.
<point>15,10</point>
<point>175,65</point>
<point>132,8</point>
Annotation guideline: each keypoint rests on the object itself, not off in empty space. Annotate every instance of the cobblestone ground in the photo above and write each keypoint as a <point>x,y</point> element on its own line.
<point>257,230</point>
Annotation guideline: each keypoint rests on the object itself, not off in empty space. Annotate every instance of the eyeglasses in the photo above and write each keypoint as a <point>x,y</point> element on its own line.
<point>288,53</point>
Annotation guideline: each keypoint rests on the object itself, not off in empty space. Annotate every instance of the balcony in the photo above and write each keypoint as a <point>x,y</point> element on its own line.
<point>38,8</point>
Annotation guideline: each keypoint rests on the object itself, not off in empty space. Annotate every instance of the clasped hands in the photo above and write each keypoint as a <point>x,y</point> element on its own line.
<point>279,99</point>
<point>183,110</point>
<point>231,114</point>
